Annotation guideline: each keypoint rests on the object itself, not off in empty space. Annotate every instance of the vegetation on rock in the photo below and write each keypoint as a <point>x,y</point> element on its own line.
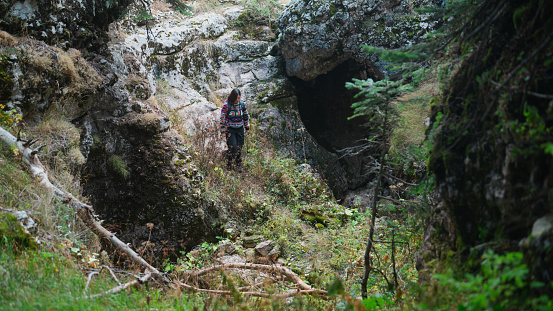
<point>472,233</point>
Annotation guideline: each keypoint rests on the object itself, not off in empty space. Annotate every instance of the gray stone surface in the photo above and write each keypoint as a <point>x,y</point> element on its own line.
<point>316,36</point>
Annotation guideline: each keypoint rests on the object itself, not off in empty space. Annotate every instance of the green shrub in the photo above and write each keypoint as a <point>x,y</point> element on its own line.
<point>501,284</point>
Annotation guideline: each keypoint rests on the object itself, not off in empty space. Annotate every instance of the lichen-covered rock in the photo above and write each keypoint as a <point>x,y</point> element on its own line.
<point>40,79</point>
<point>69,24</point>
<point>316,36</point>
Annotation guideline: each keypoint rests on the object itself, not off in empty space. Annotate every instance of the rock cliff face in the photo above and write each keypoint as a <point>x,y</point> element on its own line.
<point>320,42</point>
<point>137,174</point>
<point>124,89</point>
<point>492,135</point>
<point>78,24</point>
<point>317,36</point>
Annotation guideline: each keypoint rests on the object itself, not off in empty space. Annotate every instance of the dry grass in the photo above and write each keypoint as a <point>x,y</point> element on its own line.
<point>67,67</point>
<point>415,108</point>
<point>209,6</point>
<point>6,39</point>
<point>160,6</point>
<point>61,154</point>
<point>89,76</point>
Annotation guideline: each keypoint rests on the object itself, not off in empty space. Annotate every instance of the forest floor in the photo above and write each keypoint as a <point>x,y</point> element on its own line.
<point>68,264</point>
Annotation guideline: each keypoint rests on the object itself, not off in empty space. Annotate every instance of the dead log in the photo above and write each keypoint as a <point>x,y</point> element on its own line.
<point>253,294</point>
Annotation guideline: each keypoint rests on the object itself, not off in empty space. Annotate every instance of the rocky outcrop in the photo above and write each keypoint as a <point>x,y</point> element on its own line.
<point>41,80</point>
<point>491,153</point>
<point>320,42</point>
<point>79,24</point>
<point>317,36</point>
<point>142,181</point>
<point>138,174</point>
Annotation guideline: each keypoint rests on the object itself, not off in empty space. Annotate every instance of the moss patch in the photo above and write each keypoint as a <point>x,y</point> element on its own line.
<point>12,234</point>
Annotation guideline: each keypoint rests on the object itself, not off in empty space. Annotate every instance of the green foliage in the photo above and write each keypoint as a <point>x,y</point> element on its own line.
<point>376,97</point>
<point>143,14</point>
<point>8,119</point>
<point>119,166</point>
<point>181,7</point>
<point>376,302</point>
<point>399,56</point>
<point>265,11</point>
<point>501,284</point>
<point>257,13</point>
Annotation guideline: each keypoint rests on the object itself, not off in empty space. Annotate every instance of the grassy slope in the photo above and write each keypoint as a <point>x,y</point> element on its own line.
<point>272,192</point>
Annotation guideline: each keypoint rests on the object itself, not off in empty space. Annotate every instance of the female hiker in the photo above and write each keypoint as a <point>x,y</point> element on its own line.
<point>234,123</point>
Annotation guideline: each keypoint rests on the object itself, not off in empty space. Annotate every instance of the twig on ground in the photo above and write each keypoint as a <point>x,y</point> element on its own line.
<point>254,294</point>
<point>112,274</point>
<point>121,287</point>
<point>90,279</point>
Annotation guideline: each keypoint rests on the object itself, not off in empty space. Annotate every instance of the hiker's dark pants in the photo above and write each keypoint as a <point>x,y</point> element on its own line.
<point>235,142</point>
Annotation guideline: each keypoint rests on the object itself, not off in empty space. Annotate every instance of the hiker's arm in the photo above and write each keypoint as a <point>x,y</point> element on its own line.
<point>224,118</point>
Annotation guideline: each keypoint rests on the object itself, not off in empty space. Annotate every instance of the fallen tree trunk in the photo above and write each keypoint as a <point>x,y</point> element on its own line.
<point>85,211</point>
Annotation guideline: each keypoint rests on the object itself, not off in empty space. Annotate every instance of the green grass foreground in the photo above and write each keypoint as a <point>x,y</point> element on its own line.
<point>38,280</point>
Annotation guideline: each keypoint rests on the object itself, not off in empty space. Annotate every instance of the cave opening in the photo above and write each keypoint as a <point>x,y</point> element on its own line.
<point>324,104</point>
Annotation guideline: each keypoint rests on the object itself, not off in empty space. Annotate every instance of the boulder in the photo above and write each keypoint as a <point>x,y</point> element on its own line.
<point>70,24</point>
<point>251,241</point>
<point>316,36</point>
<point>227,248</point>
<point>139,172</point>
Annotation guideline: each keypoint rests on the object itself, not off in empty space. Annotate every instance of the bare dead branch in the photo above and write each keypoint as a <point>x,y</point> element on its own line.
<point>112,274</point>
<point>121,287</point>
<point>367,265</point>
<point>398,179</point>
<point>396,284</point>
<point>89,279</point>
<point>390,199</point>
<point>250,286</point>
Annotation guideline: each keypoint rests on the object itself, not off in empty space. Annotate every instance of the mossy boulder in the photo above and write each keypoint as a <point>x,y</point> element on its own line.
<point>13,235</point>
<point>141,180</point>
<point>314,216</point>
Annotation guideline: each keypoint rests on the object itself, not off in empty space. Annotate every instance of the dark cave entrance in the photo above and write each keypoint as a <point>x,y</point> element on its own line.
<point>324,104</point>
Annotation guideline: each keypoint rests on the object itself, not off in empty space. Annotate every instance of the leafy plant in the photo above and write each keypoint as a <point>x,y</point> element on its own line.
<point>501,284</point>
<point>143,14</point>
<point>181,7</point>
